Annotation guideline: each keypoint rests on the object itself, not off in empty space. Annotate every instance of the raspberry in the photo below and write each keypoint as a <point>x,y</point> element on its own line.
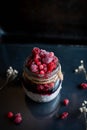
<point>47,58</point>
<point>55,59</point>
<point>83,85</point>
<point>51,54</point>
<point>18,114</point>
<point>45,69</point>
<point>42,72</point>
<point>50,67</point>
<point>18,118</point>
<point>41,67</point>
<point>44,65</point>
<point>38,63</point>
<point>10,115</point>
<point>34,68</point>
<point>64,115</point>
<point>37,56</point>
<point>66,101</point>
<point>36,60</point>
<point>35,51</point>
<point>43,53</point>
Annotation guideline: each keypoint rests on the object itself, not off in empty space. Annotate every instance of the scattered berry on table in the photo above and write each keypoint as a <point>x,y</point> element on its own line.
<point>18,118</point>
<point>66,101</point>
<point>10,115</point>
<point>83,85</point>
<point>64,115</point>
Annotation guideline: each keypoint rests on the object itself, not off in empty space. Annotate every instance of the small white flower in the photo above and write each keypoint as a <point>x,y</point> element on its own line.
<point>81,61</point>
<point>83,104</point>
<point>15,71</point>
<point>80,67</point>
<point>76,70</point>
<point>11,75</point>
<point>10,68</point>
<point>9,72</point>
<point>81,109</point>
<point>84,108</point>
<point>85,101</point>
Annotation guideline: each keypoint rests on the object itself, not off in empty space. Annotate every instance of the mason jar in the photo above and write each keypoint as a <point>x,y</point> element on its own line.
<point>42,87</point>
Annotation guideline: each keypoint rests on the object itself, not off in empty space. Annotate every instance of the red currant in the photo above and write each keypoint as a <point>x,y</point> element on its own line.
<point>10,115</point>
<point>64,115</point>
<point>66,101</point>
<point>18,118</point>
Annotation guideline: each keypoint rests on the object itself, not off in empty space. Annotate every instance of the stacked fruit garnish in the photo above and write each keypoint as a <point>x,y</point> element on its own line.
<point>41,64</point>
<point>41,61</point>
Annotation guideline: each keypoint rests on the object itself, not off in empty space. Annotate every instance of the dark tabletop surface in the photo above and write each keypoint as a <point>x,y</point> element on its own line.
<point>43,116</point>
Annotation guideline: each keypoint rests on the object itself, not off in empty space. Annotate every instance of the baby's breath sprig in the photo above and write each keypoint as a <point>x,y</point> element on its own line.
<point>81,68</point>
<point>83,110</point>
<point>11,74</point>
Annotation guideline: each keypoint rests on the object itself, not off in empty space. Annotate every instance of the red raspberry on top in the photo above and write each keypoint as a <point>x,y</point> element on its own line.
<point>55,59</point>
<point>47,59</point>
<point>34,68</point>
<point>43,53</point>
<point>51,66</point>
<point>41,67</point>
<point>51,54</point>
<point>35,50</point>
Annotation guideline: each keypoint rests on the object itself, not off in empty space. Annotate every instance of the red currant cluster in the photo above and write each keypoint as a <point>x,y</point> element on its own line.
<point>16,118</point>
<point>41,61</point>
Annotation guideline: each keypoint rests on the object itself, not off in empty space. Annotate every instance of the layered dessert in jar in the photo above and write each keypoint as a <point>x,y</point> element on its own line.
<point>42,75</point>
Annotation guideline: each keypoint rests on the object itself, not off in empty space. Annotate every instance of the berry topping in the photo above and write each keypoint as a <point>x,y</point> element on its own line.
<point>10,115</point>
<point>64,115</point>
<point>41,61</point>
<point>51,54</point>
<point>51,66</point>
<point>47,59</point>
<point>66,101</point>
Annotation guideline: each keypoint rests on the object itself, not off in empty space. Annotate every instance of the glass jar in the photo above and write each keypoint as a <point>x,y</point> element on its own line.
<point>42,87</point>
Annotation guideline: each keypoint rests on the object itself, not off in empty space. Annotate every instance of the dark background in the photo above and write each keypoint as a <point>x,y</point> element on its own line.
<point>40,20</point>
